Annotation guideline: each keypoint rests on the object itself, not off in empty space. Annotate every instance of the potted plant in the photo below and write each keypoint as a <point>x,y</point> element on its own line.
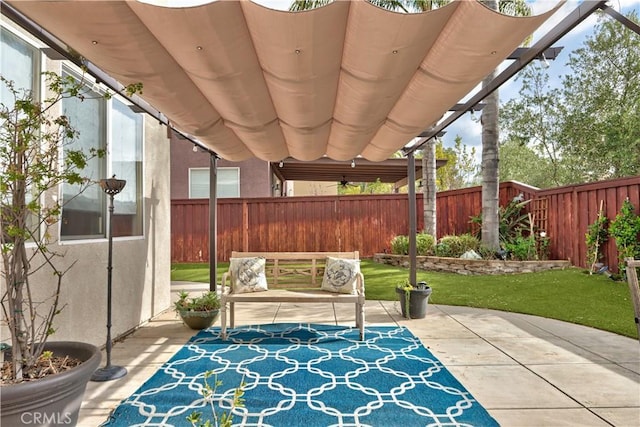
<point>42,382</point>
<point>199,312</point>
<point>413,299</point>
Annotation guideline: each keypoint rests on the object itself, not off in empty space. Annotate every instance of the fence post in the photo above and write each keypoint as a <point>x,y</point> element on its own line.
<point>632,278</point>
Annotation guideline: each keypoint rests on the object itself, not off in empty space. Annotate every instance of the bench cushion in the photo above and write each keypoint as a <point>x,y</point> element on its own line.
<point>340,275</point>
<point>247,274</point>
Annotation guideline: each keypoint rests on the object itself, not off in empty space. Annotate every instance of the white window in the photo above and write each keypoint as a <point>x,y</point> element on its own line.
<point>20,64</point>
<point>228,183</point>
<point>126,163</point>
<point>84,214</point>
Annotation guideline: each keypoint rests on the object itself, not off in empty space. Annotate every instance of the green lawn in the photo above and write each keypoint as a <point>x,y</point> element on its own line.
<point>570,295</point>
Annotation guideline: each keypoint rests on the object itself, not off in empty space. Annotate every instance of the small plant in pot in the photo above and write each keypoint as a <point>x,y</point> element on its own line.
<point>413,299</point>
<point>199,312</point>
<point>43,379</point>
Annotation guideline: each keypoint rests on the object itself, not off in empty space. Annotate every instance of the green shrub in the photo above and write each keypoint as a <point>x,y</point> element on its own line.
<point>522,248</point>
<point>424,244</point>
<point>448,246</point>
<point>442,249</point>
<point>625,229</point>
<point>455,246</point>
<point>469,242</point>
<point>513,220</point>
<point>486,252</point>
<point>544,247</point>
<point>597,234</point>
<point>400,245</point>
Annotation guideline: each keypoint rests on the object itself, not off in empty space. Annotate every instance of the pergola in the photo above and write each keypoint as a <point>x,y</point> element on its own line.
<point>342,82</point>
<point>358,170</point>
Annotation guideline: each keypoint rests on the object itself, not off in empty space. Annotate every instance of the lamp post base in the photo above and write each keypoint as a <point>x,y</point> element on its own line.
<point>109,373</point>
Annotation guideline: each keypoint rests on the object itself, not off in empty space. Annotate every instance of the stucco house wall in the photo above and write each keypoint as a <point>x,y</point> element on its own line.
<point>141,264</point>
<point>141,275</point>
<point>255,174</point>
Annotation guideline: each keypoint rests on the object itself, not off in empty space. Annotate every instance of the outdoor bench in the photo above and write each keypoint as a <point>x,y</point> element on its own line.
<point>295,277</point>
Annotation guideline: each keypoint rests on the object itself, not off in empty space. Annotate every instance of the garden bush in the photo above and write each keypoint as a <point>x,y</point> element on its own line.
<point>455,246</point>
<point>400,245</point>
<point>522,248</point>
<point>625,229</point>
<point>424,244</point>
<point>469,242</point>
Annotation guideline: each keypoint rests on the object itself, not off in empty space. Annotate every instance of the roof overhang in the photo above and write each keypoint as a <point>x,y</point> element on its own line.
<point>345,80</point>
<point>325,169</point>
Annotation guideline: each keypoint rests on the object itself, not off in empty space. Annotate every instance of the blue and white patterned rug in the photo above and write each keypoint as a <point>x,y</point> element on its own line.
<point>306,374</point>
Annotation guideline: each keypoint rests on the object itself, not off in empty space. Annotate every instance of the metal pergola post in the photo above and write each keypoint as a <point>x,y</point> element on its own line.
<point>213,223</point>
<point>413,226</point>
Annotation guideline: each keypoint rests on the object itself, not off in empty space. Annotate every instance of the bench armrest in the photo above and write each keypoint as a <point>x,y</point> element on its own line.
<point>226,289</point>
<point>360,284</point>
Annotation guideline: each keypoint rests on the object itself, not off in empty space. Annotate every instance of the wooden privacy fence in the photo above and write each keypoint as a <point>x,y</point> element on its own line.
<point>367,223</point>
<point>289,224</point>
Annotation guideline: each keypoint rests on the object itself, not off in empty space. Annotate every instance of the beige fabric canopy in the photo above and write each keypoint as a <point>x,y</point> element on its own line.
<point>344,80</point>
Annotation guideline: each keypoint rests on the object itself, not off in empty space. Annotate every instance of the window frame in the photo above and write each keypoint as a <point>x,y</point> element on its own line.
<point>37,84</point>
<point>71,69</point>
<point>189,179</point>
<point>142,208</point>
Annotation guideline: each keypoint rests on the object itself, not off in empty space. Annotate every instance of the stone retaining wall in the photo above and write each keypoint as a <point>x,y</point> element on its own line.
<point>471,266</point>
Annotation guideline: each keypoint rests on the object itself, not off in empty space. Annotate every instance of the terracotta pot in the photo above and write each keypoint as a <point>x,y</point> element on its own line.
<point>199,319</point>
<point>54,400</point>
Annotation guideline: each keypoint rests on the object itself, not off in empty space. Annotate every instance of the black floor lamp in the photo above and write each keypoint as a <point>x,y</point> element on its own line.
<point>111,186</point>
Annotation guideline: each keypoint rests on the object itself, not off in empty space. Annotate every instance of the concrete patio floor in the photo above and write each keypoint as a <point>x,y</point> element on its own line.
<point>525,370</point>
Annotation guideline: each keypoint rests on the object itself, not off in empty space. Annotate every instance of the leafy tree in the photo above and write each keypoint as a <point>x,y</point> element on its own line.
<point>530,121</point>
<point>600,124</point>
<point>518,162</point>
<point>461,169</point>
<point>366,188</point>
<point>588,129</point>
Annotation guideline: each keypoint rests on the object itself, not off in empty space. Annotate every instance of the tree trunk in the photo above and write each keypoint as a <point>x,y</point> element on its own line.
<point>490,183</point>
<point>429,187</point>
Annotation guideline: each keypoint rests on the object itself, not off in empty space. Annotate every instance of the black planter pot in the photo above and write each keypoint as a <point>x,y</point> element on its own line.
<point>418,300</point>
<point>199,319</point>
<point>54,400</point>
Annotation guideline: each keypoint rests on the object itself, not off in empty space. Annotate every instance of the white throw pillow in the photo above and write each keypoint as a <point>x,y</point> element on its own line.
<point>247,275</point>
<point>340,275</point>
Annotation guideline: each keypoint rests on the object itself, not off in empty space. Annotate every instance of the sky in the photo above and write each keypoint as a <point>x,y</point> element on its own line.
<point>469,129</point>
